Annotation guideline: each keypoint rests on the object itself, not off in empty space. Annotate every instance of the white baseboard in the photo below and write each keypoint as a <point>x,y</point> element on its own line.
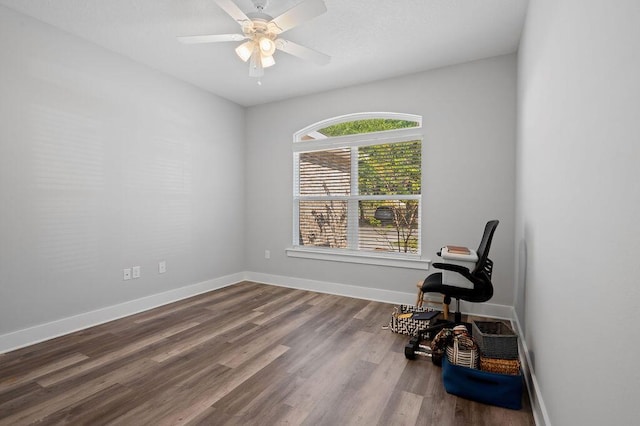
<point>540,414</point>
<point>375,294</point>
<point>50,330</point>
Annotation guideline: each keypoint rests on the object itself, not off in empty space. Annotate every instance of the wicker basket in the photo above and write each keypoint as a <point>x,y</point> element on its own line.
<point>501,366</point>
<point>408,326</point>
<point>496,339</point>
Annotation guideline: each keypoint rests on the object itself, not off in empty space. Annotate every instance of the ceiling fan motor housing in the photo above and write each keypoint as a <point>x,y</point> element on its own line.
<point>259,27</point>
<point>260,4</point>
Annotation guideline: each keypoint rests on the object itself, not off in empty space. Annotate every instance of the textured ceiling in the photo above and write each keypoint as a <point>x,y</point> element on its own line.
<point>367,39</point>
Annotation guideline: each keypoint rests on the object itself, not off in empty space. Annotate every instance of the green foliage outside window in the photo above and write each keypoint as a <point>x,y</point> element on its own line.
<point>366,126</point>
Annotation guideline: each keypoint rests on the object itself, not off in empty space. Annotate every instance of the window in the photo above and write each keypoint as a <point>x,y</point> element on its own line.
<point>357,185</point>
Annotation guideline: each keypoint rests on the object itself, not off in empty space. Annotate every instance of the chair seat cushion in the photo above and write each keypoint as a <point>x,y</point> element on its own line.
<point>433,284</point>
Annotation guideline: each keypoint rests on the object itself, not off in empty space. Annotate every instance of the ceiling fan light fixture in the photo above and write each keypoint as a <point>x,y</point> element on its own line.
<point>255,65</point>
<point>267,46</point>
<point>267,61</point>
<point>245,50</point>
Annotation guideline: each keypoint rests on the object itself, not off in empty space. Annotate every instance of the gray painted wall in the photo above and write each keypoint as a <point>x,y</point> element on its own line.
<point>578,207</point>
<point>107,164</point>
<point>469,157</point>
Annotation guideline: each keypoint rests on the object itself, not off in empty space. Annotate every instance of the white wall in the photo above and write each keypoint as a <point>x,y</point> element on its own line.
<point>578,207</point>
<point>106,164</point>
<point>468,151</point>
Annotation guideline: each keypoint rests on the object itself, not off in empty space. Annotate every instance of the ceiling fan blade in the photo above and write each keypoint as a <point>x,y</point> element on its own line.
<point>302,52</point>
<point>296,15</point>
<point>233,10</point>
<point>210,38</point>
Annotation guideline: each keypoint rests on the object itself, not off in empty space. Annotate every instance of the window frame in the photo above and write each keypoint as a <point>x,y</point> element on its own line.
<point>300,145</point>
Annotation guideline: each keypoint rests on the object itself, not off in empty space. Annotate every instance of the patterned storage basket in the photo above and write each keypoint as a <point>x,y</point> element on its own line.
<point>408,326</point>
<point>496,339</point>
<point>464,352</point>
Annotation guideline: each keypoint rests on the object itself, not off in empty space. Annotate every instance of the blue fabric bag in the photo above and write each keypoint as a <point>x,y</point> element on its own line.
<point>503,390</point>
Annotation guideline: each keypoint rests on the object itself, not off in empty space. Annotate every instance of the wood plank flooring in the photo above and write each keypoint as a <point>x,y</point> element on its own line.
<point>249,354</point>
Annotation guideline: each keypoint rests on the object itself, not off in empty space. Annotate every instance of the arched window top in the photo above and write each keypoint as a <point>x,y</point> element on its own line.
<point>358,123</point>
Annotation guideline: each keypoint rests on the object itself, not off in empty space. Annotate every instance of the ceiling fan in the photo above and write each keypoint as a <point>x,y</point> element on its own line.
<point>262,34</point>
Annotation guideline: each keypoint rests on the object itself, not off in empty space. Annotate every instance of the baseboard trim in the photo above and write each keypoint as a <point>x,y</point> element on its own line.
<point>375,294</point>
<point>53,329</point>
<point>538,407</point>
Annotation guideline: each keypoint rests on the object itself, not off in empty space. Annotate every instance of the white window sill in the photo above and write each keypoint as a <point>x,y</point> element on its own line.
<point>350,256</point>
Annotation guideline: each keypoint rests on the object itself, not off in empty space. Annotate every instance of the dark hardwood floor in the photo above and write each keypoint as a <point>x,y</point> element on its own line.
<point>249,354</point>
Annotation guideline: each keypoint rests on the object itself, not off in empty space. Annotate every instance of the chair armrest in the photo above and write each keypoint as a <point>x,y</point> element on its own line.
<point>465,272</point>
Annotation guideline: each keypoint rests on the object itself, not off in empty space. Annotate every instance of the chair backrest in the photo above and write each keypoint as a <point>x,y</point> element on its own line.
<point>484,264</point>
<point>481,274</point>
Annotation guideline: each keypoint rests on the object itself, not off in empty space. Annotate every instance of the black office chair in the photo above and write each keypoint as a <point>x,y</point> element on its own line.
<point>480,276</point>
<point>482,291</point>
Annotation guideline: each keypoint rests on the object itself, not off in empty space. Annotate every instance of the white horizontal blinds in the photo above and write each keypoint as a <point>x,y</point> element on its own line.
<point>389,226</point>
<point>325,173</point>
<point>323,223</point>
<point>389,172</point>
<point>322,176</point>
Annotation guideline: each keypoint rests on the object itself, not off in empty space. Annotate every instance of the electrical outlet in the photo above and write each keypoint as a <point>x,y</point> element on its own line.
<point>267,254</point>
<point>126,274</point>
<point>136,272</point>
<point>162,267</point>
